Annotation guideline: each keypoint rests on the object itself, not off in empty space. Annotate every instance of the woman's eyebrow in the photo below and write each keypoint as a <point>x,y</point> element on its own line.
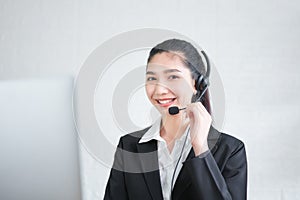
<point>150,73</point>
<point>171,70</point>
<point>165,71</point>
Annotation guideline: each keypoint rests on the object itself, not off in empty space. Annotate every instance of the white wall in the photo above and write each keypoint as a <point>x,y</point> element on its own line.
<point>254,45</point>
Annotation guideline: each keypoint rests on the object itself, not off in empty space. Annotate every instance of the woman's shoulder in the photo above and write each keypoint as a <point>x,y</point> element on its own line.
<point>227,141</point>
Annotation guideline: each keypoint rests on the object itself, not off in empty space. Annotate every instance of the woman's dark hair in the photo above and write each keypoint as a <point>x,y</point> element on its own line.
<point>190,57</point>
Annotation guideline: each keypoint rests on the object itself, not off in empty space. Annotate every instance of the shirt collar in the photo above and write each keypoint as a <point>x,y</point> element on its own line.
<point>153,133</point>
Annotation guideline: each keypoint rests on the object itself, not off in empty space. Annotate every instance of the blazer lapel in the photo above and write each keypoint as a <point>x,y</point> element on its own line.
<point>149,162</point>
<point>183,180</point>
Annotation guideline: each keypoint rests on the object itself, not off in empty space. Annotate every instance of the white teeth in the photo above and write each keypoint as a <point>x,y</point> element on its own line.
<point>165,101</point>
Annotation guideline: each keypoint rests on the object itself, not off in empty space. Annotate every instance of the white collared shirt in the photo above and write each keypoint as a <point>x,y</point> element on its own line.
<point>167,161</point>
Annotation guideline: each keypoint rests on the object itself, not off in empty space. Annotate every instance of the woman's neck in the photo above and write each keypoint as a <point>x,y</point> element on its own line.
<point>173,127</point>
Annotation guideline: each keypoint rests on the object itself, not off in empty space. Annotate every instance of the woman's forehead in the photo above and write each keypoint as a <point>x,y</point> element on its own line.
<point>153,68</point>
<point>168,58</point>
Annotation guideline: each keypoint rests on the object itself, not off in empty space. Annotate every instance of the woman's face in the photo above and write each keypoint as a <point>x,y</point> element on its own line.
<point>168,82</point>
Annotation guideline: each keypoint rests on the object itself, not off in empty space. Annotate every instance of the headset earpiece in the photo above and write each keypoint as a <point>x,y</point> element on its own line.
<point>199,82</point>
<point>202,82</point>
<point>205,83</point>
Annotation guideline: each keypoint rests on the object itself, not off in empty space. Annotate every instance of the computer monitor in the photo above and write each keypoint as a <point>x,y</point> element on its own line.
<point>38,141</point>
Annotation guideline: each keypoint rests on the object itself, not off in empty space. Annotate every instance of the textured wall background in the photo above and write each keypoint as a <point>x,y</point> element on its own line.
<point>254,44</point>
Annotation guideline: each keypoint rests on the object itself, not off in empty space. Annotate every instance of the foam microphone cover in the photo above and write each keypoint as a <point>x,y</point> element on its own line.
<point>173,110</point>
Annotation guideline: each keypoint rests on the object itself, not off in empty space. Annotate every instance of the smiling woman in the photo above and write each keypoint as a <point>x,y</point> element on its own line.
<point>180,156</point>
<point>168,82</point>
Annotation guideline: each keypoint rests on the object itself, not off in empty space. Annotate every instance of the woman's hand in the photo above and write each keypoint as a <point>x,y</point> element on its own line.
<point>200,122</point>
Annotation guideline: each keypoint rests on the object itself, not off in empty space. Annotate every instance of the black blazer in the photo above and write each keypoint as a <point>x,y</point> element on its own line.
<point>220,174</point>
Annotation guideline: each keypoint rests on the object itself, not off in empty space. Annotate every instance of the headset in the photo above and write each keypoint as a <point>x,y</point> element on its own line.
<point>201,85</point>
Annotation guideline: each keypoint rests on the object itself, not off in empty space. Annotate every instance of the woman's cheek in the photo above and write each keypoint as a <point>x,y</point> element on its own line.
<point>184,94</point>
<point>149,90</point>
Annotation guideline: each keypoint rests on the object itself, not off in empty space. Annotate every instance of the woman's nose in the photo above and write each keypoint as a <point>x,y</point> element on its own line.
<point>160,88</point>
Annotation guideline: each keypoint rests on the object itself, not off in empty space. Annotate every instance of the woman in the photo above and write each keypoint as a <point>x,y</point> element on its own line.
<point>180,156</point>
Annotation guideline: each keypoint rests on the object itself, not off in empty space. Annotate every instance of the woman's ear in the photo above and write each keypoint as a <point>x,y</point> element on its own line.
<point>194,88</point>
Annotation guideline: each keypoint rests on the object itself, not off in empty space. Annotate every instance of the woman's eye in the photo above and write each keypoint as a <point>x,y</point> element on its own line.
<point>173,77</point>
<point>151,79</point>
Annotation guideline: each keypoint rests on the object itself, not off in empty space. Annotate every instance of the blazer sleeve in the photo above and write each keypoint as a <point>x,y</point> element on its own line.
<point>211,183</point>
<point>116,188</point>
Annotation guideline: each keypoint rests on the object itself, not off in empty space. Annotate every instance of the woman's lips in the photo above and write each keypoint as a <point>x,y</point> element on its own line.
<point>165,102</point>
